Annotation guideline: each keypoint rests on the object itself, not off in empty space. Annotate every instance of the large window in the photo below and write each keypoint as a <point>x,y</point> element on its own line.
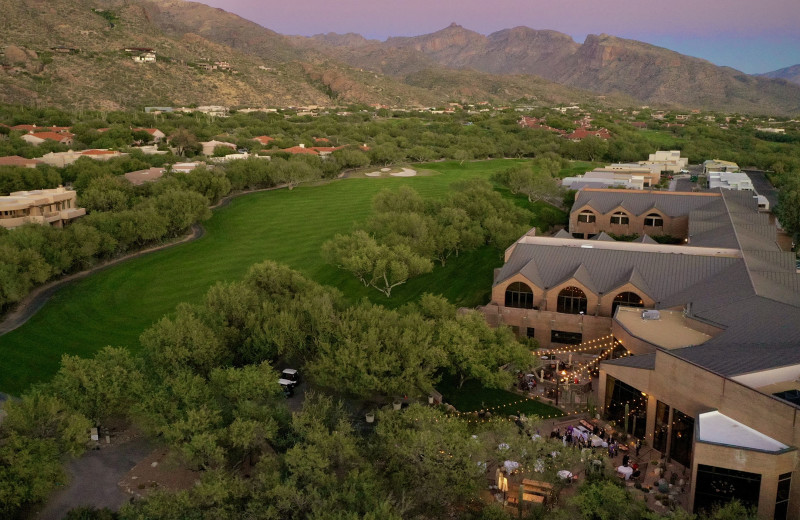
<point>718,486</point>
<point>782,499</point>
<point>654,220</point>
<point>586,216</point>
<point>519,295</point>
<point>568,338</point>
<point>618,396</point>
<point>662,427</point>
<point>627,299</point>
<point>571,300</point>
<point>682,434</point>
<point>619,217</point>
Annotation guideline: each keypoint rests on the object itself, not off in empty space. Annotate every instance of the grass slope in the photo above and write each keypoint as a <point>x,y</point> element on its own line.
<point>473,397</point>
<point>114,306</point>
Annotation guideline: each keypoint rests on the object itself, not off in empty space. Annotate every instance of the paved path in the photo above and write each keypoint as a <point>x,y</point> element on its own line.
<point>93,479</point>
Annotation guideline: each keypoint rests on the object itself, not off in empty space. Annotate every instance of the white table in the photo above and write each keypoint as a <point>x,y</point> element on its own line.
<point>625,471</point>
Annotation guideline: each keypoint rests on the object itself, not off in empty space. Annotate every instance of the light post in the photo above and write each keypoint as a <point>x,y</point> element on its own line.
<point>558,382</point>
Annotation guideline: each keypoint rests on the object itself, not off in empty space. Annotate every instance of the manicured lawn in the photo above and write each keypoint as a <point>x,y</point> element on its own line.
<point>114,306</point>
<point>473,397</point>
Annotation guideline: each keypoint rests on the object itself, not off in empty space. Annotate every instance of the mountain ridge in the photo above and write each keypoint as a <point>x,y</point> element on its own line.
<point>264,67</point>
<point>790,74</point>
<point>602,63</point>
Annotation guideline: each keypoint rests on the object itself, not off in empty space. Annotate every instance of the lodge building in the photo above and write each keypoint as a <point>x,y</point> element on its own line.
<point>712,379</point>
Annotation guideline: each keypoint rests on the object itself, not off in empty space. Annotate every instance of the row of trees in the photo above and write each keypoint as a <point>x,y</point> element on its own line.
<point>406,233</point>
<point>419,136</point>
<point>205,385</point>
<point>121,218</point>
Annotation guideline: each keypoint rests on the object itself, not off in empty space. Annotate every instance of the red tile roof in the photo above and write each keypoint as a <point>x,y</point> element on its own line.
<point>16,160</point>
<point>27,128</point>
<point>582,133</point>
<point>322,140</point>
<point>264,139</point>
<point>99,152</point>
<point>327,148</point>
<point>300,150</point>
<point>53,136</point>
<point>536,124</point>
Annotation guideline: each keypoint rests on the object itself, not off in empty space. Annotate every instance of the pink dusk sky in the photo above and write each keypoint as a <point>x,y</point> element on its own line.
<point>751,35</point>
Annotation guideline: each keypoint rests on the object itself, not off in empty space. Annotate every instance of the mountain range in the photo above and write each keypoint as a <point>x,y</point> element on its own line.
<point>71,53</point>
<point>791,74</point>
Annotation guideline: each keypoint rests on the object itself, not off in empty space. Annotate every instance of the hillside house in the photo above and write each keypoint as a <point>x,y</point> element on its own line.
<point>53,206</point>
<point>16,160</point>
<point>40,137</point>
<point>156,134</point>
<point>209,146</point>
<point>582,133</point>
<point>140,177</point>
<point>62,159</point>
<point>147,57</point>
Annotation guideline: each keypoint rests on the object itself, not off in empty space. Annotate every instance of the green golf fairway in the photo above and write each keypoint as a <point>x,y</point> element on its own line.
<point>114,306</point>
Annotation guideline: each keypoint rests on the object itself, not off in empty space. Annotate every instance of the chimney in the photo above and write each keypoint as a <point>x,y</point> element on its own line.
<point>302,145</point>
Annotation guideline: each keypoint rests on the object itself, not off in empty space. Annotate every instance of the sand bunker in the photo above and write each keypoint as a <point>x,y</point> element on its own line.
<point>407,172</point>
<point>373,174</point>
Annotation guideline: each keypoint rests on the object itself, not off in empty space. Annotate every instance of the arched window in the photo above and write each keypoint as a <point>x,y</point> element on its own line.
<point>586,216</point>
<point>627,299</point>
<point>571,300</point>
<point>519,295</point>
<point>654,219</point>
<point>620,217</point>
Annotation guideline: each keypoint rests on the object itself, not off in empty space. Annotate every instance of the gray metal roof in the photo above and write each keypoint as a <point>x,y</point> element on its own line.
<point>732,359</point>
<point>755,299</point>
<point>606,269</point>
<point>639,202</point>
<point>646,361</point>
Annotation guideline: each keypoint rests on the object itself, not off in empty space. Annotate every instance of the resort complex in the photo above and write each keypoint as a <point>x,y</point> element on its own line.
<point>706,326</point>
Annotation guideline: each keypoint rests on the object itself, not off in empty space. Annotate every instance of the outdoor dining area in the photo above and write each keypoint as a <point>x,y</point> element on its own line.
<point>581,447</point>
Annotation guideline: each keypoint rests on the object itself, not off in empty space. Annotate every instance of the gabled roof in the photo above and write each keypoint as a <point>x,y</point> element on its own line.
<point>603,236</point>
<point>53,136</point>
<point>637,279</point>
<point>531,272</point>
<point>645,239</point>
<point>639,202</point>
<point>562,233</point>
